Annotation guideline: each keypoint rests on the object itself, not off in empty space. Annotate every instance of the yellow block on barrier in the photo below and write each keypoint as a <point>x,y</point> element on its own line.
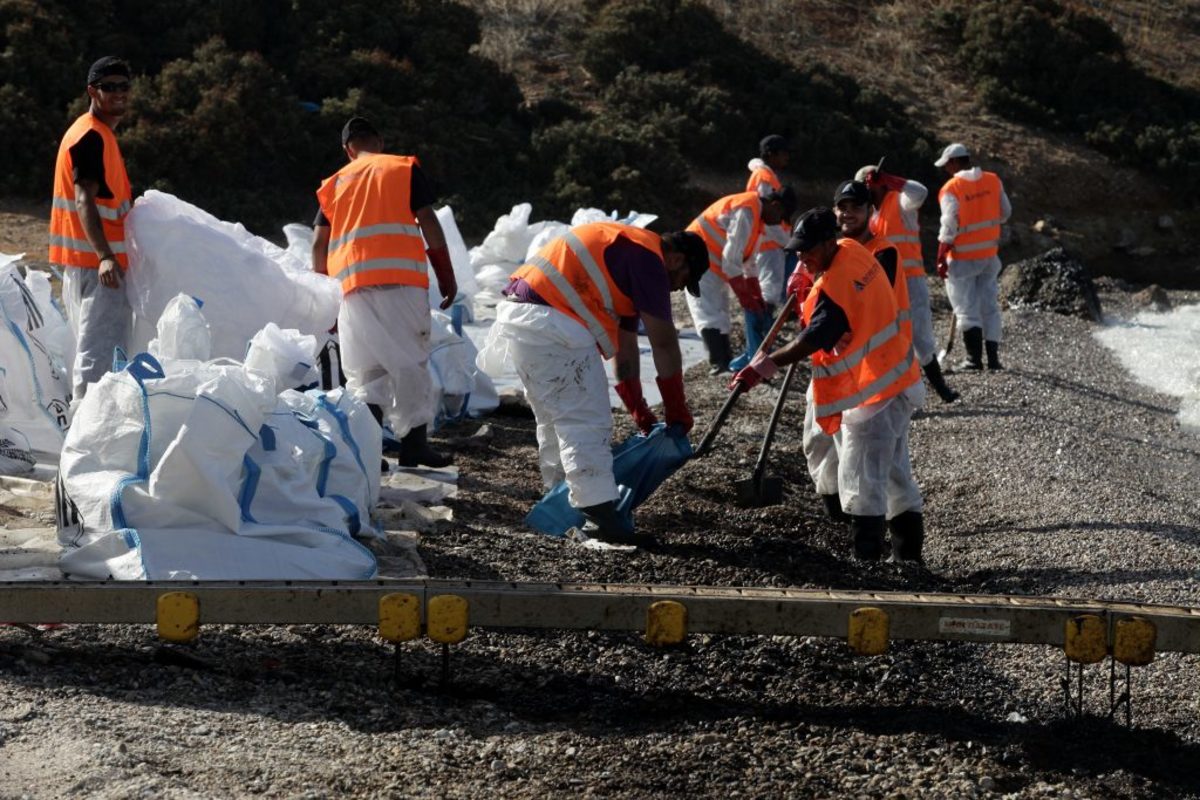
<point>399,617</point>
<point>1086,639</point>
<point>1133,642</point>
<point>869,629</point>
<point>446,618</point>
<point>666,623</point>
<point>178,616</point>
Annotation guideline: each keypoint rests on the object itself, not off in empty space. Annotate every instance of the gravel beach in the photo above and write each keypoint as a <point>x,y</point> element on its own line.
<point>1058,476</point>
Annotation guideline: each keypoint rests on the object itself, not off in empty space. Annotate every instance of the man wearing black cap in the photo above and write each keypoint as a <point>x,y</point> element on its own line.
<point>374,213</point>
<point>582,295</point>
<point>91,198</point>
<point>864,374</point>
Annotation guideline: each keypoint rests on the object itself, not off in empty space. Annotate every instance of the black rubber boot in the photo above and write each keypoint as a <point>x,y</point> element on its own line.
<point>973,343</point>
<point>993,355</point>
<point>908,535</point>
<point>868,537</point>
<point>833,507</point>
<point>603,522</point>
<point>416,452</point>
<point>933,374</point>
<point>717,345</point>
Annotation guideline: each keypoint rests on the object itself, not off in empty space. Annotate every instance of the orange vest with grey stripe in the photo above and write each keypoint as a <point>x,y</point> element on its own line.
<point>978,216</point>
<point>708,227</point>
<point>760,177</point>
<point>570,275</point>
<point>374,238</point>
<point>877,245</point>
<point>877,363</point>
<point>68,241</point>
<point>889,222</point>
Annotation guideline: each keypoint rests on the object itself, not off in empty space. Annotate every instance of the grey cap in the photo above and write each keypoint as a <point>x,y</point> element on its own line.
<point>955,150</point>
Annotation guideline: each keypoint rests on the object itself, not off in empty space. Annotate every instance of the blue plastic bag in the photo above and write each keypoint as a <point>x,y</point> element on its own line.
<point>640,465</point>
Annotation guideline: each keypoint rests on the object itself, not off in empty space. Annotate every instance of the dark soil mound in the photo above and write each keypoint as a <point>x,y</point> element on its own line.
<point>1054,281</point>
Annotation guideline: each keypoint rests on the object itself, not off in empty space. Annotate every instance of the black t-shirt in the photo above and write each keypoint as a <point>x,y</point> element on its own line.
<point>87,162</point>
<point>420,195</point>
<point>889,259</point>
<point>828,325</point>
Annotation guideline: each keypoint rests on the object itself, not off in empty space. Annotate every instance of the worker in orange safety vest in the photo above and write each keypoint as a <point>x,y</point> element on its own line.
<point>896,203</point>
<point>974,205</point>
<point>91,199</point>
<point>375,220</point>
<point>866,384</point>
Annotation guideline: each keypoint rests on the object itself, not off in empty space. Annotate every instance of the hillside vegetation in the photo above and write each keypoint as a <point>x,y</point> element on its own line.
<point>632,104</point>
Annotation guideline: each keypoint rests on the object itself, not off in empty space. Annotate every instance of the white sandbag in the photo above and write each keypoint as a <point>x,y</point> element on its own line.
<point>208,473</point>
<point>456,379</point>
<point>546,231</point>
<point>183,332</point>
<point>508,241</point>
<point>244,281</point>
<point>55,333</point>
<point>299,243</point>
<point>34,393</point>
<point>16,456</point>
<point>464,275</point>
<point>288,357</point>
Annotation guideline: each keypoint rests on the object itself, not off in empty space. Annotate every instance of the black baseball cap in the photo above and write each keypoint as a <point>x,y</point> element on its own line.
<point>852,190</point>
<point>357,127</point>
<point>108,65</point>
<point>815,226</point>
<point>772,144</point>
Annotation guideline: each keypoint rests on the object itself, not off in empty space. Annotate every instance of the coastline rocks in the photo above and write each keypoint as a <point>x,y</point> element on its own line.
<point>1053,281</point>
<point>1153,297</point>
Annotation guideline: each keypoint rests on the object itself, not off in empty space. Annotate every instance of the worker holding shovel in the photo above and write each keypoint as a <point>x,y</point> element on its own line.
<point>866,383</point>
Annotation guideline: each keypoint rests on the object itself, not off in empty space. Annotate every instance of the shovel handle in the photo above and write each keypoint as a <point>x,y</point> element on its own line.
<point>738,389</point>
<point>760,466</point>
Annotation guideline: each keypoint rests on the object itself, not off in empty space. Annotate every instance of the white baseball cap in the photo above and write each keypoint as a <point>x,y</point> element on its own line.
<point>955,150</point>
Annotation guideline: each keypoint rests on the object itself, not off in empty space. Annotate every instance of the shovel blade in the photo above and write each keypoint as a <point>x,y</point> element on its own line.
<point>755,494</point>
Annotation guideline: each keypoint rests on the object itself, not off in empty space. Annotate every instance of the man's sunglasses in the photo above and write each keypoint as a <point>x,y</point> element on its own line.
<point>113,86</point>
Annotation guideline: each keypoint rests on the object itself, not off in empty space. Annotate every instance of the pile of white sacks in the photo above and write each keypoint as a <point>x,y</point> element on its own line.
<point>223,449</point>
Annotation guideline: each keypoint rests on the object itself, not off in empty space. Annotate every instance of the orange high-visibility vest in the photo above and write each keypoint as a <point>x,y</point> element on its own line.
<point>878,361</point>
<point>569,273</point>
<point>374,238</point>
<point>708,227</point>
<point>877,245</point>
<point>978,216</point>
<point>765,176</point>
<point>68,241</point>
<point>889,222</point>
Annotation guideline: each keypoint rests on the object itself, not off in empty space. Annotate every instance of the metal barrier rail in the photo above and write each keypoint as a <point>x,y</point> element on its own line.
<point>1086,628</point>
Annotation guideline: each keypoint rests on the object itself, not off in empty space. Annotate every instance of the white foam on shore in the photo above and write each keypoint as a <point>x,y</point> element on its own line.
<point>1162,350</point>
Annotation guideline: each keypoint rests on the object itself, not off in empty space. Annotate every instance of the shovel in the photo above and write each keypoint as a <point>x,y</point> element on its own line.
<point>738,389</point>
<point>760,490</point>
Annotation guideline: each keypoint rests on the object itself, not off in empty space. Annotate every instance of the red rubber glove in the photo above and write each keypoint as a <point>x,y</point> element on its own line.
<point>761,368</point>
<point>749,293</point>
<point>439,259</point>
<point>890,182</point>
<point>630,392</point>
<point>800,283</point>
<point>943,262</point>
<point>675,407</point>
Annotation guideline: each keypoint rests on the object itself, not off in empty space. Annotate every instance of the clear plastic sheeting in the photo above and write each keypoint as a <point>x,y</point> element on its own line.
<point>206,470</point>
<point>242,280</point>
<point>34,390</point>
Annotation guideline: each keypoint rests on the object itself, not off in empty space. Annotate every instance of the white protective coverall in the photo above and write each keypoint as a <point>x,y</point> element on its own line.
<point>972,285</point>
<point>384,347</point>
<point>565,383</point>
<point>912,196</point>
<point>100,320</point>
<point>770,263</point>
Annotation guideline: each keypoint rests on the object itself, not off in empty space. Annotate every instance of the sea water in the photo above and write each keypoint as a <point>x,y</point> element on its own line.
<point>1162,350</point>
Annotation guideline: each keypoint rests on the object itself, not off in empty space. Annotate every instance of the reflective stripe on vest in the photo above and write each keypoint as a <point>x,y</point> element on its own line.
<point>978,216</point>
<point>569,274</point>
<point>715,237</point>
<point>870,390</point>
<point>384,229</point>
<point>765,176</point>
<point>888,222</point>
<point>68,242</point>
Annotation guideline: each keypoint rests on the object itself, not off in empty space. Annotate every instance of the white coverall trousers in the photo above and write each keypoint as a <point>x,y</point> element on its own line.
<point>711,308</point>
<point>974,292</point>
<point>100,319</point>
<point>384,347</point>
<point>567,388</point>
<point>770,275</point>
<point>866,463</point>
<point>924,343</point>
